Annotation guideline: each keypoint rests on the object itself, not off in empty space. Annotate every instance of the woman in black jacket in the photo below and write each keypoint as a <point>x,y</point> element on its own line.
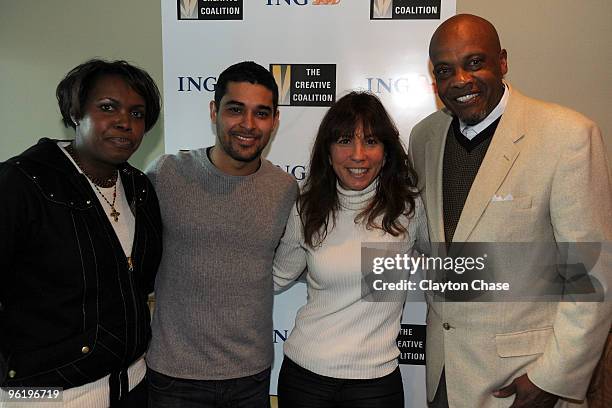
<point>80,244</point>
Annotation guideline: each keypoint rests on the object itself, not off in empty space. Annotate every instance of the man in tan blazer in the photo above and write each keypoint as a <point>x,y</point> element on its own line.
<point>497,166</point>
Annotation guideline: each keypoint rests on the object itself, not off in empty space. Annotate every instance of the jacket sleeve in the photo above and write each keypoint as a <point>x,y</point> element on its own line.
<point>580,212</point>
<point>14,224</point>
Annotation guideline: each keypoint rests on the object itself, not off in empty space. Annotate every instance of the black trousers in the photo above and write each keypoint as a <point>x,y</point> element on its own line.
<point>301,388</point>
<point>441,398</point>
<point>137,398</point>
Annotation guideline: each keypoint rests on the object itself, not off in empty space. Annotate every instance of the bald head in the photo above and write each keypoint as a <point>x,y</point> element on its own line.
<point>466,26</point>
<point>468,65</point>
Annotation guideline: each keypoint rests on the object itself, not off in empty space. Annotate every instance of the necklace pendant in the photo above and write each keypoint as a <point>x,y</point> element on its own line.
<point>115,214</point>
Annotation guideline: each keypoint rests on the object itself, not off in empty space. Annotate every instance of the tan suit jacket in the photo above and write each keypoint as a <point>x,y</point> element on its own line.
<point>552,161</point>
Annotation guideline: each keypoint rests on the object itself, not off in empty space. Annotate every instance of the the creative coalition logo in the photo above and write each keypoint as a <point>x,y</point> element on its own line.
<point>405,9</point>
<point>411,344</point>
<point>305,84</point>
<point>209,10</point>
<point>302,2</point>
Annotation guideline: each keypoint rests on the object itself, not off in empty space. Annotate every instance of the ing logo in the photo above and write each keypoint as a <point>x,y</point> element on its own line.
<point>297,171</point>
<point>279,335</point>
<point>282,75</point>
<point>302,2</point>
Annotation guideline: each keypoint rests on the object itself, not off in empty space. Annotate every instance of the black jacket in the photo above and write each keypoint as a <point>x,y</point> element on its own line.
<point>71,310</point>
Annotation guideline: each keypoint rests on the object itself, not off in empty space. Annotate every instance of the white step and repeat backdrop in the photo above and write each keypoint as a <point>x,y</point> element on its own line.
<point>334,46</point>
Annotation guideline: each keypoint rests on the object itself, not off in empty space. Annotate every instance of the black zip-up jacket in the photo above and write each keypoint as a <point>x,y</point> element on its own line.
<point>71,309</point>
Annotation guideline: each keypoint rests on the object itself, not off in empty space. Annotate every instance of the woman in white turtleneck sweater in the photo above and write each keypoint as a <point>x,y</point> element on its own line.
<point>361,188</point>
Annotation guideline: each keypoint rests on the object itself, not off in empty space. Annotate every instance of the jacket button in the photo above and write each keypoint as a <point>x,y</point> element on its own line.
<point>446,326</point>
<point>12,374</point>
<point>85,350</point>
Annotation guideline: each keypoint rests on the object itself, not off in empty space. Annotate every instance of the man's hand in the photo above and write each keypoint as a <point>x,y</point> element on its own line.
<point>528,395</point>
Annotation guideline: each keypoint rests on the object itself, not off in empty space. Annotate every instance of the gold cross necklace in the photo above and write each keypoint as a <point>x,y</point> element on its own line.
<point>104,183</point>
<point>114,213</point>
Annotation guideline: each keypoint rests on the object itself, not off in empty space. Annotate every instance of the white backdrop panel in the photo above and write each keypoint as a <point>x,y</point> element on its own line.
<point>385,56</point>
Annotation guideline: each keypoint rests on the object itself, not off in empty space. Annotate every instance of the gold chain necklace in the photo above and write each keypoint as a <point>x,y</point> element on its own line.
<point>114,213</point>
<point>104,183</point>
<point>109,182</point>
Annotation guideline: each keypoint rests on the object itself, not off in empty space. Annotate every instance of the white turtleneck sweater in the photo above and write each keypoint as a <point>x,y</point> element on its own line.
<point>336,333</point>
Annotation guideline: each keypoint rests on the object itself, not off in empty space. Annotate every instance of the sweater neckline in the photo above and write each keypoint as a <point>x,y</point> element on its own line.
<point>208,164</point>
<point>356,199</point>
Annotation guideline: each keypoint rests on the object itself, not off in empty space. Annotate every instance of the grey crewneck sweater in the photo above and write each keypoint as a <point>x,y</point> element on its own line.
<point>213,315</point>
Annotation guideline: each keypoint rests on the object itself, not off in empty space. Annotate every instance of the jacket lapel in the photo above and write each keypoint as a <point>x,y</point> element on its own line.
<point>498,161</point>
<point>434,151</point>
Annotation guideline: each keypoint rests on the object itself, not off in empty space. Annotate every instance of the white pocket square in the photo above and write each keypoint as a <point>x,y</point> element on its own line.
<point>496,197</point>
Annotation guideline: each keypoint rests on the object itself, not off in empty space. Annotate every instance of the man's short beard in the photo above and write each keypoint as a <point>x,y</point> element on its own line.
<point>234,154</point>
<point>249,159</point>
<point>473,119</point>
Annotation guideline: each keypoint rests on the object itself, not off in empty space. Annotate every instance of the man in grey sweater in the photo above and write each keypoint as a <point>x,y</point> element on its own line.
<point>224,209</point>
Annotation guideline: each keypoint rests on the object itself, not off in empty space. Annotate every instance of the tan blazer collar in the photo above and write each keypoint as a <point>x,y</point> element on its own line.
<point>498,161</point>
<point>500,157</point>
<point>434,151</point>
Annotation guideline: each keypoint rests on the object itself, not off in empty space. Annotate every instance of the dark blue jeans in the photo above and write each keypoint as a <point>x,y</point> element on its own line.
<point>245,392</point>
<point>301,388</point>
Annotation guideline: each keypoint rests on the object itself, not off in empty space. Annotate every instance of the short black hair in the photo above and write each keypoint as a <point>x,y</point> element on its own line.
<point>246,71</point>
<point>73,90</point>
